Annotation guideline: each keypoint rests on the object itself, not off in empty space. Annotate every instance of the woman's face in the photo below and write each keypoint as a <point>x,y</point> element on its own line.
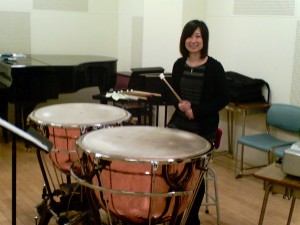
<point>194,44</point>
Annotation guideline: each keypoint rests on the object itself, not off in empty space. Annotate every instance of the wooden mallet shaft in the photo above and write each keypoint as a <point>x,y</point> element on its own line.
<point>162,77</point>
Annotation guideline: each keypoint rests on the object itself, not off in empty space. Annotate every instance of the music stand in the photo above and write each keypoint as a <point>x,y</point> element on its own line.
<point>34,138</point>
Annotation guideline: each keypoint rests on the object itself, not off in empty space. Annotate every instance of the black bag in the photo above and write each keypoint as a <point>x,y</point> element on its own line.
<point>243,89</point>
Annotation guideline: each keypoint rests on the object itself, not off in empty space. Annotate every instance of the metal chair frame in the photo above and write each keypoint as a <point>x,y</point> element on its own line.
<point>212,199</point>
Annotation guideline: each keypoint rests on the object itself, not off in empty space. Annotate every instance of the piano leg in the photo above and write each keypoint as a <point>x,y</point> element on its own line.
<point>22,110</point>
<point>27,108</point>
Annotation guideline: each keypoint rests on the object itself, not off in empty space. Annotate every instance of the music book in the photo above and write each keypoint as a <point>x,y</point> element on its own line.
<point>31,135</point>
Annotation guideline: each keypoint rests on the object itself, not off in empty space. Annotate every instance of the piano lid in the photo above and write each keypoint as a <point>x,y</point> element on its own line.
<point>71,60</point>
<point>21,60</point>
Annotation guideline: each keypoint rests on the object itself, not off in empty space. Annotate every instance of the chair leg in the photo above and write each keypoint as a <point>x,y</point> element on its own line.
<point>242,160</point>
<point>271,156</point>
<point>206,192</point>
<point>236,169</point>
<point>236,160</point>
<point>239,171</point>
<point>211,175</point>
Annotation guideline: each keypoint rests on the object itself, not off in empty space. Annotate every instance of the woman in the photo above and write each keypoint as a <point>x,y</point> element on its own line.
<point>200,81</point>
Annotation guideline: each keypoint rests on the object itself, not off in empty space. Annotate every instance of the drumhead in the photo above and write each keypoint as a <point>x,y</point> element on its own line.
<point>79,114</point>
<point>144,144</point>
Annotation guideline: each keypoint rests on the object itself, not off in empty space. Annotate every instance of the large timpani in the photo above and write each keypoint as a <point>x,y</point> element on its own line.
<point>64,123</point>
<point>140,174</point>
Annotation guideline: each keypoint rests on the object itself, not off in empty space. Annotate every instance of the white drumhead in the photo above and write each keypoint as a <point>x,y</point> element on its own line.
<point>79,114</point>
<point>144,144</point>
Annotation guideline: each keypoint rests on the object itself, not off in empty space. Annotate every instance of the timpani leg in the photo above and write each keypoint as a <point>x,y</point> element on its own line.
<point>291,210</point>
<point>265,201</point>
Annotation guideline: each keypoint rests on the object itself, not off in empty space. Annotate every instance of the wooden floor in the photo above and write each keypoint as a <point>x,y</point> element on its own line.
<point>240,199</point>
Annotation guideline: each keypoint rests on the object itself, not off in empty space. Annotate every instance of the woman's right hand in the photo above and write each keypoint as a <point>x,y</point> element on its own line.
<point>184,106</point>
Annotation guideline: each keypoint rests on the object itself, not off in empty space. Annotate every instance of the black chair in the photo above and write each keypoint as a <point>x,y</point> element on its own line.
<point>137,109</point>
<point>150,82</point>
<point>144,79</point>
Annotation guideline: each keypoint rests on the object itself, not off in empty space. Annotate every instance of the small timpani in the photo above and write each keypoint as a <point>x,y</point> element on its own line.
<point>64,123</point>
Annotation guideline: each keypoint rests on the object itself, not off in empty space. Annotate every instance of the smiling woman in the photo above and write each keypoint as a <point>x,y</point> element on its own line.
<point>200,81</point>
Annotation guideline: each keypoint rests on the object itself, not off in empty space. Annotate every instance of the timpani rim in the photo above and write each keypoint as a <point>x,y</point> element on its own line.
<point>104,146</point>
<point>122,115</point>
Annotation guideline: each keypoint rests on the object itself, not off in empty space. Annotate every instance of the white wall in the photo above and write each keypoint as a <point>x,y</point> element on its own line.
<point>74,33</point>
<point>163,23</point>
<point>130,34</point>
<point>162,27</point>
<point>259,46</point>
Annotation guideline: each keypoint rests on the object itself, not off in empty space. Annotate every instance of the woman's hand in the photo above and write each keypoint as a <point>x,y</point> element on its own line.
<point>189,114</point>
<point>185,106</point>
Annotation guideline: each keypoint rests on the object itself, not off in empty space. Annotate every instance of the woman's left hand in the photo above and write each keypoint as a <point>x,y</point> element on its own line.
<point>189,114</point>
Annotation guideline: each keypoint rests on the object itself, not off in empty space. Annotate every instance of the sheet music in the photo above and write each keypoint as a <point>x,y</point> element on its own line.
<point>24,135</point>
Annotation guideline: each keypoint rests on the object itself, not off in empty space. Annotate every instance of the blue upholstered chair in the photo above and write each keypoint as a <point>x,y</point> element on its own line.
<point>284,117</point>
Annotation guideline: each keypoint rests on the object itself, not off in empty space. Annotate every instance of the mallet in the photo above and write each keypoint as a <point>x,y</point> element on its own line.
<point>162,77</point>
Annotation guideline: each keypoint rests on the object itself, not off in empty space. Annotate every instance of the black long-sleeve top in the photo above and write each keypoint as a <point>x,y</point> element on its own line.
<point>214,96</point>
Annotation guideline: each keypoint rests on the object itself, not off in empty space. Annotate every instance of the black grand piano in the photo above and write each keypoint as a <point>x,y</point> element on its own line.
<point>27,80</point>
